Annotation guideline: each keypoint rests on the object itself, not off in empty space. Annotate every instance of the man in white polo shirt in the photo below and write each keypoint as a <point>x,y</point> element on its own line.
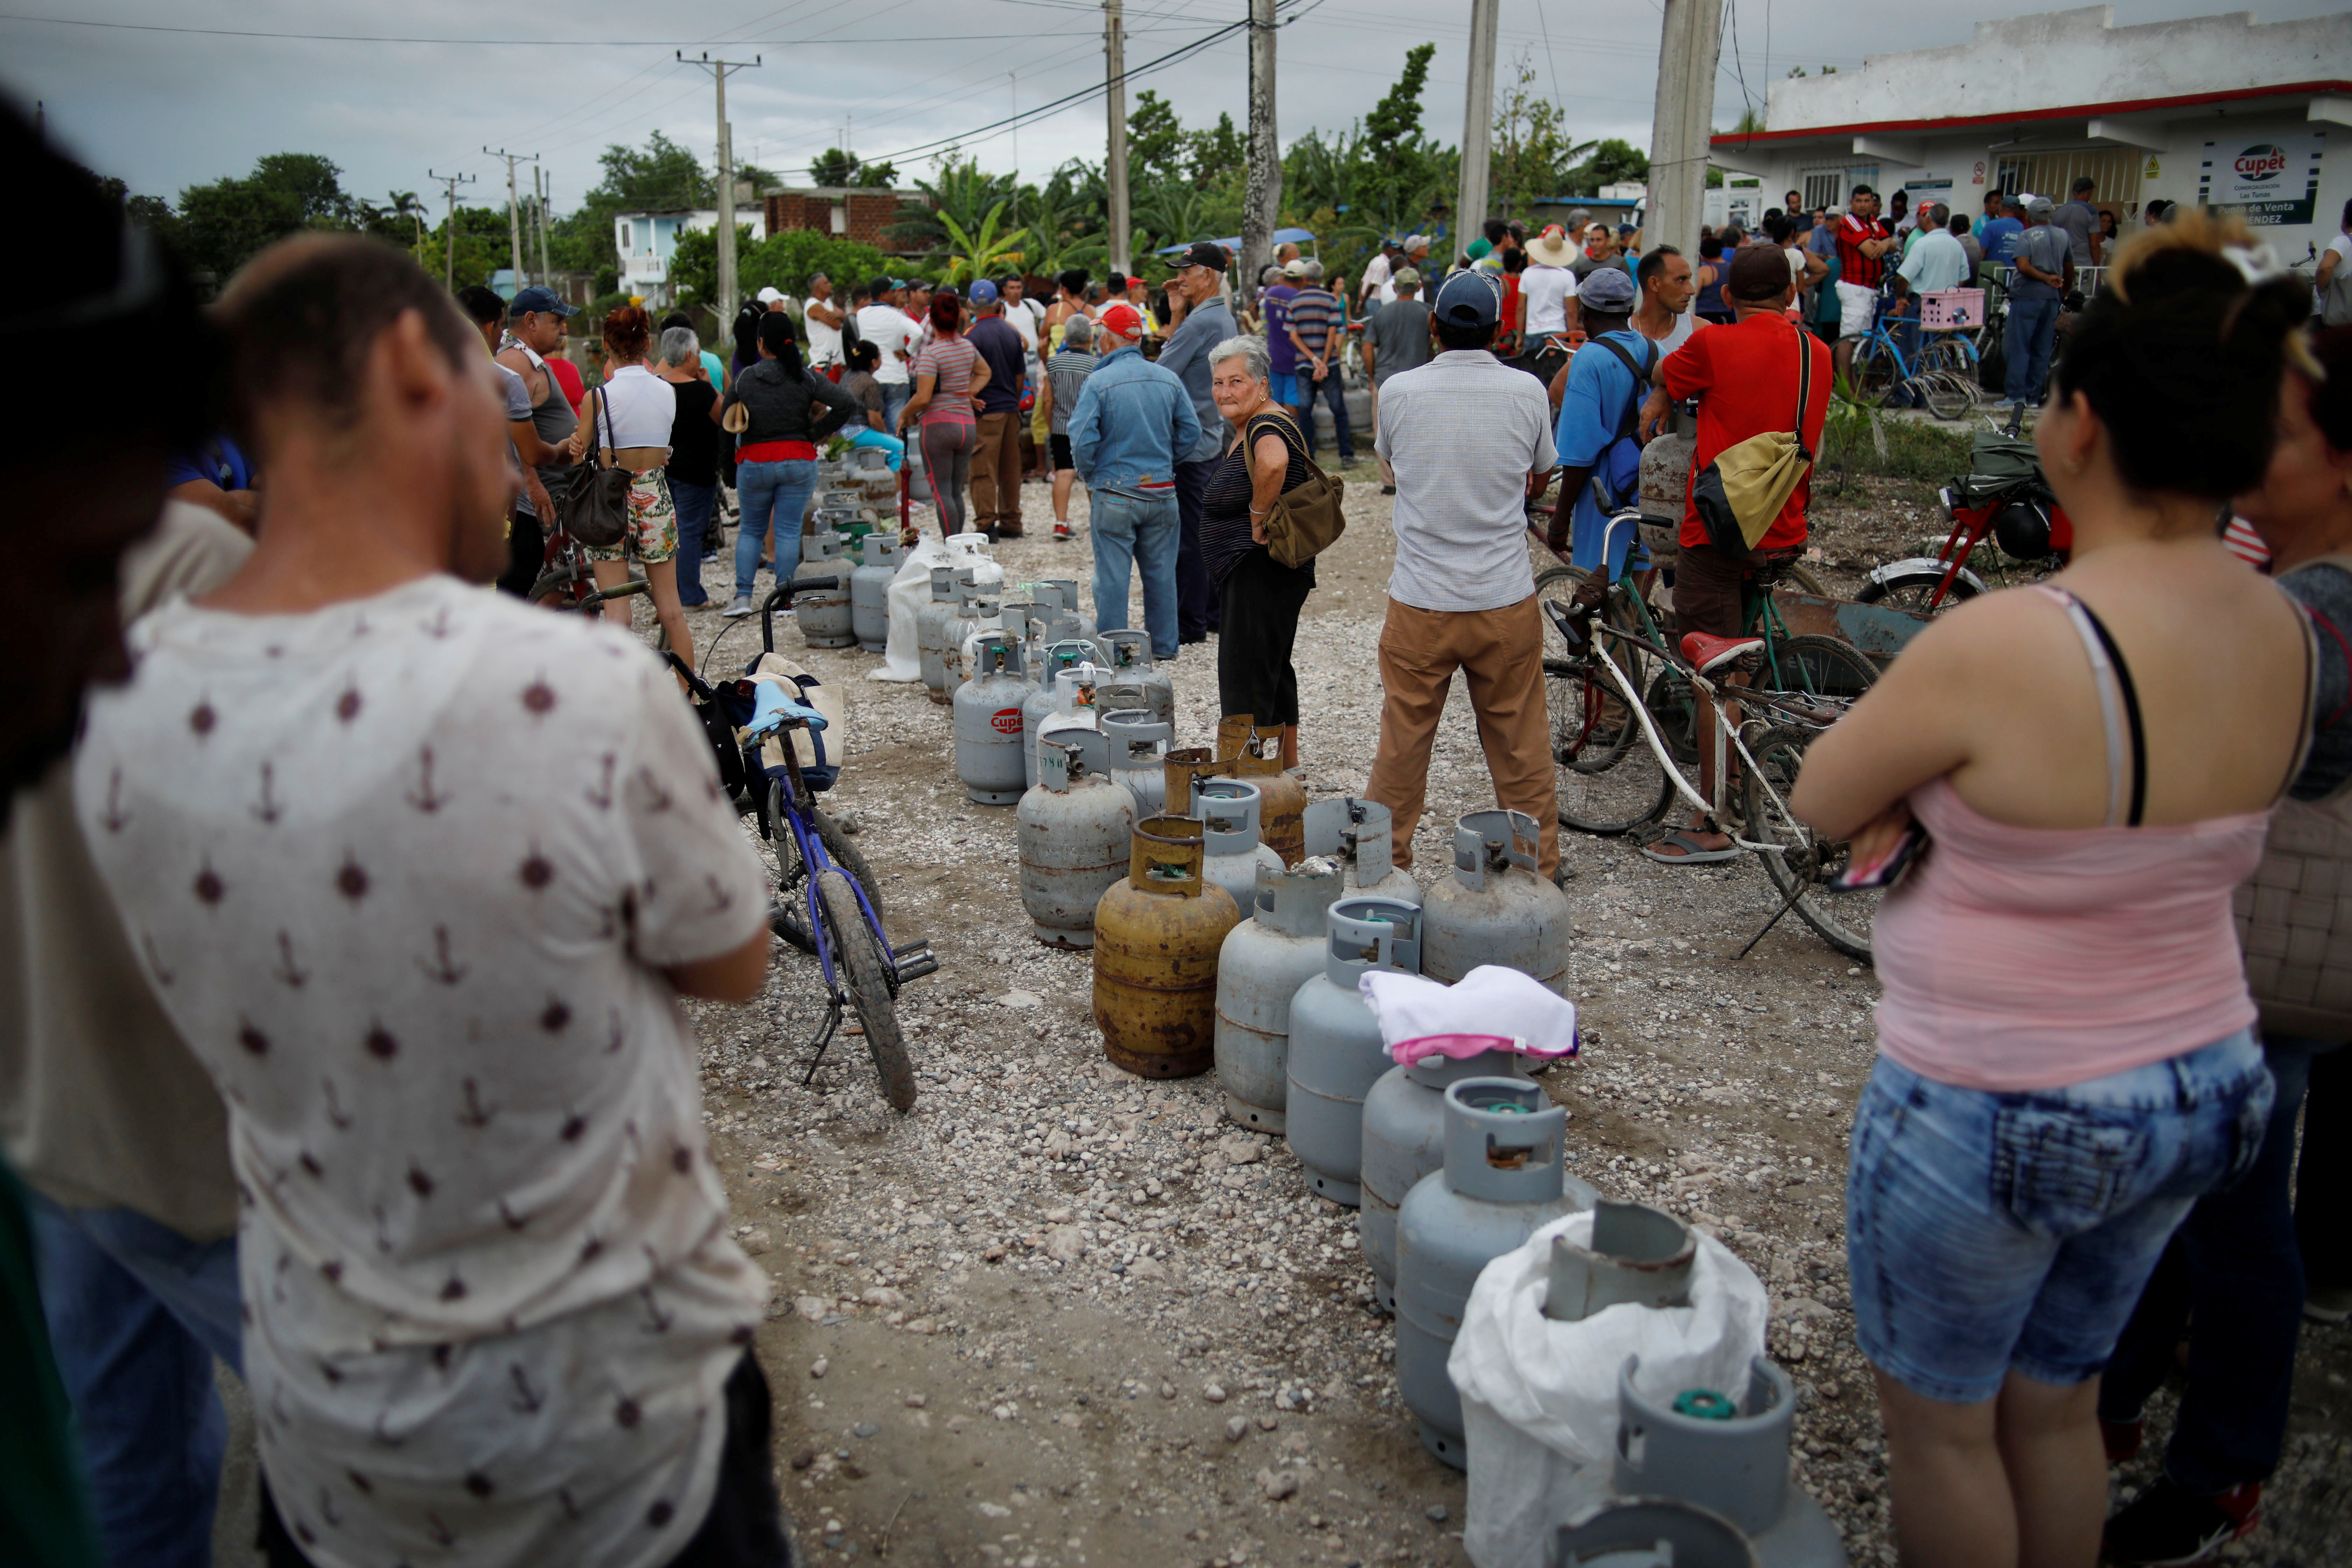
<point>1467,442</point>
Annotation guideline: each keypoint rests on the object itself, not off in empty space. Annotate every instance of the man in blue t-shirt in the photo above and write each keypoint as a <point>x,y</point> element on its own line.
<point>1597,407</point>
<point>1281,353</point>
<point>1998,236</point>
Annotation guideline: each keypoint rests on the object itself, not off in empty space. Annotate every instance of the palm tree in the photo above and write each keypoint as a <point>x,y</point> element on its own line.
<point>406,205</point>
<point>983,251</point>
<point>961,192</point>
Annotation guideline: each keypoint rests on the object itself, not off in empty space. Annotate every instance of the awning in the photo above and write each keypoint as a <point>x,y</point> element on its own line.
<point>1280,236</point>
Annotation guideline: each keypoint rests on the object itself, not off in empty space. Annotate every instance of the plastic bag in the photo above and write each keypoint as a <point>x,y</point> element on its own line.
<point>1540,1398</point>
<point>911,590</point>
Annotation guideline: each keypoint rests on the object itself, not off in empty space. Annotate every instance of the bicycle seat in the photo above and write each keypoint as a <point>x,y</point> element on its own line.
<point>1708,654</point>
<point>774,707</point>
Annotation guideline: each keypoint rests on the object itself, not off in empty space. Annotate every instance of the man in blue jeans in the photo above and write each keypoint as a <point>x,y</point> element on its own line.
<point>2045,267</point>
<point>1133,422</point>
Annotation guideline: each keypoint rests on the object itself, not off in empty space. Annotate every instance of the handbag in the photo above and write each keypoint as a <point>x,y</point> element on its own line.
<point>1307,518</point>
<point>595,507</point>
<point>1740,495</point>
<point>2293,926</point>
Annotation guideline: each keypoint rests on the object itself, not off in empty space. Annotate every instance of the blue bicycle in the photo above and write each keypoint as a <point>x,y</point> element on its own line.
<point>823,899</point>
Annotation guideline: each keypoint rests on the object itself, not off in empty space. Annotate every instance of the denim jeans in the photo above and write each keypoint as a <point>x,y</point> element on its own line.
<point>2233,1281</point>
<point>136,1313</point>
<point>2032,328</point>
<point>696,504</point>
<point>1196,597</point>
<point>770,492</point>
<point>1333,392</point>
<point>1144,532</point>
<point>1990,1232</point>
<point>894,398</point>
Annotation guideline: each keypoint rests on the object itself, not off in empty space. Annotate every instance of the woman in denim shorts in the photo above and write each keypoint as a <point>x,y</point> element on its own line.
<point>2065,1059</point>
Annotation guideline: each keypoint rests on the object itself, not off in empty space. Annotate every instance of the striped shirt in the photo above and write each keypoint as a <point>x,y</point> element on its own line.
<point>1312,315</point>
<point>1066,373</point>
<point>951,359</point>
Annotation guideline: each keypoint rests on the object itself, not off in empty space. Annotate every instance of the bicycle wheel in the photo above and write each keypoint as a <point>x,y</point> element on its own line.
<point>861,975</point>
<point>1805,580</point>
<point>1591,726</point>
<point>1914,589</point>
<point>1875,370</point>
<point>1822,666</point>
<point>553,591</point>
<point>1636,790</point>
<point>1671,704</point>
<point>1803,866</point>
<point>788,915</point>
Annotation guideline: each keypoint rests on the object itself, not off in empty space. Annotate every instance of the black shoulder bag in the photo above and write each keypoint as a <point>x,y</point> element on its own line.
<point>595,507</point>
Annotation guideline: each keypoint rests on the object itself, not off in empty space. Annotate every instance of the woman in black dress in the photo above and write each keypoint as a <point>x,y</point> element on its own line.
<point>1258,598</point>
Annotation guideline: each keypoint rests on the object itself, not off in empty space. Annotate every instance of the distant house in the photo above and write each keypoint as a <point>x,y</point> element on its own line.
<point>861,214</point>
<point>646,240</point>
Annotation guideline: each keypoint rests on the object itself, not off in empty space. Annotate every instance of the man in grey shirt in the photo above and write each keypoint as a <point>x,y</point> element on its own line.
<point>2078,220</point>
<point>1200,283</point>
<point>1395,339</point>
<point>2045,269</point>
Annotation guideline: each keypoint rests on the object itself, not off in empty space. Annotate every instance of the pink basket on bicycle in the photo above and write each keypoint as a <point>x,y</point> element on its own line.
<point>1951,308</point>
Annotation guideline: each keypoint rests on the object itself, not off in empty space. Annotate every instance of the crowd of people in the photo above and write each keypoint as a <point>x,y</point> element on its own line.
<point>346,904</point>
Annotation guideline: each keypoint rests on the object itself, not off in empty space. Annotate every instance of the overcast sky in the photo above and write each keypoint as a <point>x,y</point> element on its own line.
<point>162,106</point>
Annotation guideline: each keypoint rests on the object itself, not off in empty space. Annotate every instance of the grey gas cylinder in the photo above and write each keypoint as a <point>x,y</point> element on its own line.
<point>1130,659</point>
<point>1496,907</point>
<point>869,591</point>
<point>1264,962</point>
<point>1358,835</point>
<point>1405,1140</point>
<point>1137,742</point>
<point>1061,659</point>
<point>976,611</point>
<point>988,730</point>
<point>1503,1178</point>
<point>1067,587</point>
<point>1077,830</point>
<point>824,613</point>
<point>947,583</point>
<point>1228,811</point>
<point>1648,1532</point>
<point>1334,1053</point>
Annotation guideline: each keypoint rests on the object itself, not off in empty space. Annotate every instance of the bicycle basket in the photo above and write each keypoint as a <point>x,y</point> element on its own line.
<point>820,751</point>
<point>1949,309</point>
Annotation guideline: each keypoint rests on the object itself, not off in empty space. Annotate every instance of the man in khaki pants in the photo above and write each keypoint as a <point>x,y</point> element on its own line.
<point>1467,440</point>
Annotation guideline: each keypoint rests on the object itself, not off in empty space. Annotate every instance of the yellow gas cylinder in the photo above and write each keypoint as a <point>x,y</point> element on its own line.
<point>1157,934</point>
<point>1183,769</point>
<point>1282,808</point>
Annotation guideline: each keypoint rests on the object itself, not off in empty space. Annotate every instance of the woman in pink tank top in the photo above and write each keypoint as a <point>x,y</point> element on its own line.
<point>2065,1055</point>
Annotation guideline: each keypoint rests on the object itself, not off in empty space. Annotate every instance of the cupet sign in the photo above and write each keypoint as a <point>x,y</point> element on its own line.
<point>2267,183</point>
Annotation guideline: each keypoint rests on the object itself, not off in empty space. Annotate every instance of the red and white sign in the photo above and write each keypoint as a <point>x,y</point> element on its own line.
<point>1007,720</point>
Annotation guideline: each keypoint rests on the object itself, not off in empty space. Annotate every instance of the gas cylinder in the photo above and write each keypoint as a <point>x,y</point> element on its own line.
<point>1266,959</point>
<point>976,611</point>
<point>1157,932</point>
<point>1182,772</point>
<point>1068,589</point>
<point>1059,659</point>
<point>1130,657</point>
<point>988,728</point>
<point>1649,1532</point>
<point>992,614</point>
<point>1138,742</point>
<point>1228,811</point>
<point>869,591</point>
<point>1505,1176</point>
<point>930,627</point>
<point>1075,831</point>
<point>1334,1054</point>
<point>1074,711</point>
<point>1282,814</point>
<point>1496,907</point>
<point>1404,1141</point>
<point>824,614</point>
<point>1357,833</point>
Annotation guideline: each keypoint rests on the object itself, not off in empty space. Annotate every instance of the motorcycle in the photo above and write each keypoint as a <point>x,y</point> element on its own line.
<point>2003,494</point>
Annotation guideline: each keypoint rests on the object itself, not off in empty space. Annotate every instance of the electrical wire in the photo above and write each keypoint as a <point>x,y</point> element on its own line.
<point>488,43</point>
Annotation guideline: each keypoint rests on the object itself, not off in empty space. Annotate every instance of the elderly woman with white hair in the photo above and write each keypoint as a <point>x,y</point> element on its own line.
<point>693,455</point>
<point>1258,598</point>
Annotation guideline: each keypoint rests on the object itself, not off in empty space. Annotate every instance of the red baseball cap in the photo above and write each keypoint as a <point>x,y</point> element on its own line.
<point>1124,320</point>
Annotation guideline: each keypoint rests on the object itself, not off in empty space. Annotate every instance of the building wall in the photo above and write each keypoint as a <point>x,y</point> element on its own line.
<point>862,215</point>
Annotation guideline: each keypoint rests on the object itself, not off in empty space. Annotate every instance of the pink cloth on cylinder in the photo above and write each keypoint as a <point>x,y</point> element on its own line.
<point>2027,958</point>
<point>1461,1047</point>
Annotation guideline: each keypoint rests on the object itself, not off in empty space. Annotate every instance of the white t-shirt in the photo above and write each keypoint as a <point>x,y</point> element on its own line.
<point>891,331</point>
<point>1463,434</point>
<point>643,408</point>
<point>1685,326</point>
<point>403,872</point>
<point>1377,284</point>
<point>2339,247</point>
<point>825,343</point>
<point>1544,294</point>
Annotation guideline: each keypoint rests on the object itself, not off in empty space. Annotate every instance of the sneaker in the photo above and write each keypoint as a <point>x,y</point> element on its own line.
<point>2328,1303</point>
<point>2167,1525</point>
<point>1061,532</point>
<point>1388,490</point>
<point>740,608</point>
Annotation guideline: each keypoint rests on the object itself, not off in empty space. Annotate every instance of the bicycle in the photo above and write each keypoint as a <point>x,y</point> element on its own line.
<point>823,900</point>
<point>567,580</point>
<point>1943,371</point>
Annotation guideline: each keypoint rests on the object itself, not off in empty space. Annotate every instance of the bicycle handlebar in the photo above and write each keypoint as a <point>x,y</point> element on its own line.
<point>783,595</point>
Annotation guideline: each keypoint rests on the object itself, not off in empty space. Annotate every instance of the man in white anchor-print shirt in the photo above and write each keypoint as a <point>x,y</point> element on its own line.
<point>419,873</point>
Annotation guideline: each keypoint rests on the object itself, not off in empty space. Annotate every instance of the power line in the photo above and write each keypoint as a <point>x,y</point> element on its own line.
<point>494,43</point>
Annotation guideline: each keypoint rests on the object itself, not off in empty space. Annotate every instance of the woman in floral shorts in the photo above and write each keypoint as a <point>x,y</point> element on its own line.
<point>630,416</point>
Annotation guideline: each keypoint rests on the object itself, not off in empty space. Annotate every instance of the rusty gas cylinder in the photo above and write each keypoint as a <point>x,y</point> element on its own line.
<point>1157,933</point>
<point>1282,808</point>
<point>1183,771</point>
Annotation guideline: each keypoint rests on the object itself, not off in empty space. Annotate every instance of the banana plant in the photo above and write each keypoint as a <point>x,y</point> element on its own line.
<point>984,250</point>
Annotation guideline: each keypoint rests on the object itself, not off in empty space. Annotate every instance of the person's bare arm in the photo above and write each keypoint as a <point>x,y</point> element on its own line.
<point>825,312</point>
<point>925,385</point>
<point>2327,259</point>
<point>241,507</point>
<point>734,976</point>
<point>1815,270</point>
<point>534,452</point>
<point>1916,724</point>
<point>534,379</point>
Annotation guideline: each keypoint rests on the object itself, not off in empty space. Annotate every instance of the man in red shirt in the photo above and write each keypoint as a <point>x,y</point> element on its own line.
<point>1863,241</point>
<point>1746,379</point>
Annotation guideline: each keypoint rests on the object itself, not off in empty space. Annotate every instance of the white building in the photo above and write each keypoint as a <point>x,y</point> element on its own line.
<point>2220,112</point>
<point>646,240</point>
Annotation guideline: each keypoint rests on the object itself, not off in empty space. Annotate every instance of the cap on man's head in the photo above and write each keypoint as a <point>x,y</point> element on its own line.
<point>1295,268</point>
<point>1758,275</point>
<point>2039,209</point>
<point>1205,253</point>
<point>542,300</point>
<point>770,295</point>
<point>983,292</point>
<point>1416,242</point>
<point>1611,289</point>
<point>1407,278</point>
<point>2022,200</point>
<point>1470,300</point>
<point>1123,319</point>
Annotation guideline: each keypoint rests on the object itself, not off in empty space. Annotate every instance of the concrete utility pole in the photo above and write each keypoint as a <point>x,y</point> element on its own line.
<point>1262,194</point>
<point>1115,161</point>
<point>449,228</point>
<point>725,303</point>
<point>1477,130</point>
<point>1689,41</point>
<point>514,209</point>
<point>540,186</point>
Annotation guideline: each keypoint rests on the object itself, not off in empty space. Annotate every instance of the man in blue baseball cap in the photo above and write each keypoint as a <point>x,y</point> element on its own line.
<point>1468,441</point>
<point>535,319</point>
<point>996,445</point>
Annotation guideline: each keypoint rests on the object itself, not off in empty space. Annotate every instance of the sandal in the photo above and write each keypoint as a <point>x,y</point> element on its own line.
<point>1694,853</point>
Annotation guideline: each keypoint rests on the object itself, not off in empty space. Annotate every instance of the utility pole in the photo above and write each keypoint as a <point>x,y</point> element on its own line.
<point>1477,128</point>
<point>1689,40</point>
<point>1261,192</point>
<point>725,304</point>
<point>540,185</point>
<point>1115,164</point>
<point>514,209</point>
<point>449,228</point>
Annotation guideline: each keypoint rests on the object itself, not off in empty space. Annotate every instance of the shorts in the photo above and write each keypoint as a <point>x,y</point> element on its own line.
<point>1284,387</point>
<point>1060,442</point>
<point>1857,308</point>
<point>651,533</point>
<point>1709,592</point>
<point>1989,1233</point>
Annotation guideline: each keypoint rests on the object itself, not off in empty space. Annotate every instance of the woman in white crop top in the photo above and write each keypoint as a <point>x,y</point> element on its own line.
<point>629,416</point>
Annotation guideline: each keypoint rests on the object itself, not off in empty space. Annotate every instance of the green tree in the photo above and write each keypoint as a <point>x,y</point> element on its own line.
<point>1213,154</point>
<point>657,176</point>
<point>838,167</point>
<point>1612,160</point>
<point>962,193</point>
<point>482,245</point>
<point>1395,120</point>
<point>1531,150</point>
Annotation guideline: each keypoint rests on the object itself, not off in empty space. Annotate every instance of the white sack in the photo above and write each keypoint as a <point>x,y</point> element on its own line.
<point>911,590</point>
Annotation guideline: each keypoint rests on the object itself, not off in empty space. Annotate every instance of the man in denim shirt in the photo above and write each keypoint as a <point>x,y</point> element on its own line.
<point>1207,320</point>
<point>1133,421</point>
